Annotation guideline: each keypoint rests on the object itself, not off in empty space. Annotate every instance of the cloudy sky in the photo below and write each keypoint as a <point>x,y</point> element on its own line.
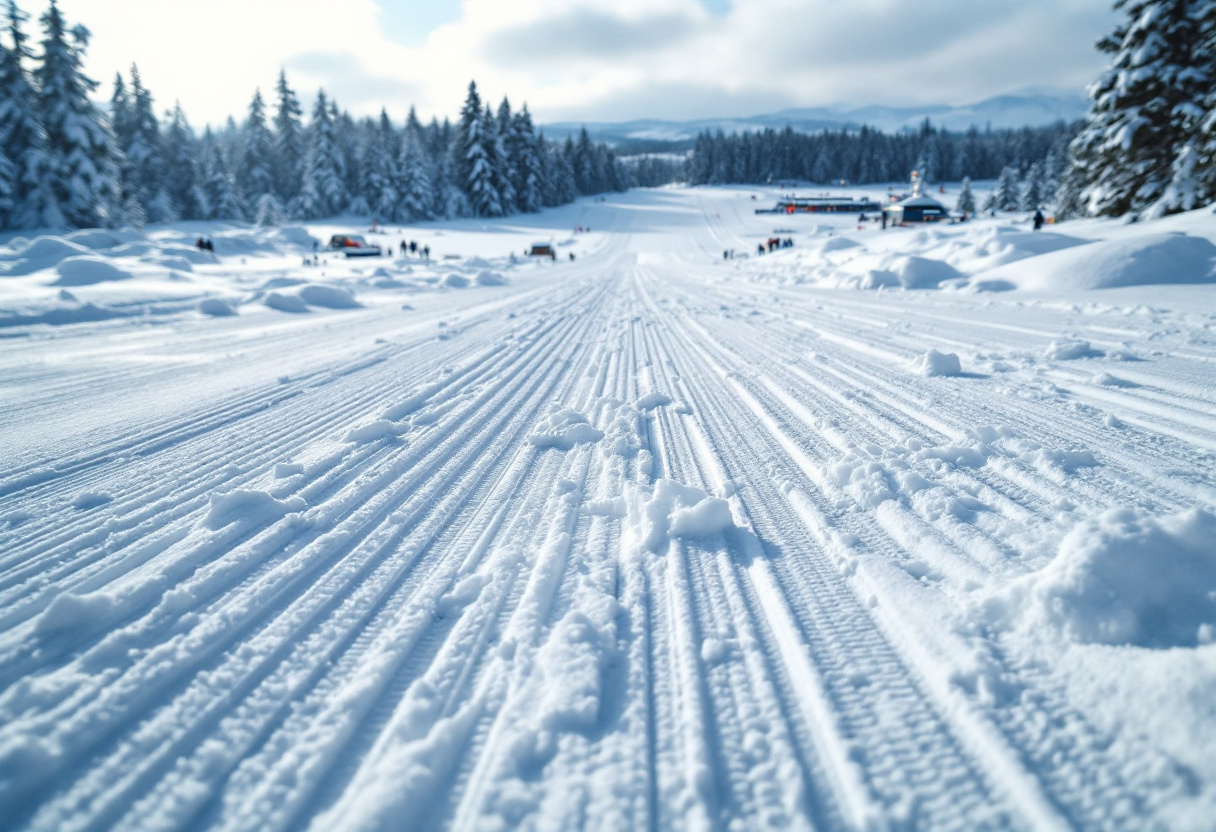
<point>593,60</point>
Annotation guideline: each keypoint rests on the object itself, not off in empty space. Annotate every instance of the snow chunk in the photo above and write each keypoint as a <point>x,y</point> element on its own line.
<point>652,400</point>
<point>248,506</point>
<point>90,499</point>
<point>934,363</point>
<point>379,429</point>
<point>286,303</point>
<point>1068,349</point>
<point>670,510</point>
<point>455,281</point>
<point>330,297</point>
<point>217,307</point>
<point>564,429</point>
<point>1127,577</point>
<point>85,271</point>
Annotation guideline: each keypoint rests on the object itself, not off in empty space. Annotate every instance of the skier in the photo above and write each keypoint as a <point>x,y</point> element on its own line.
<point>1039,219</point>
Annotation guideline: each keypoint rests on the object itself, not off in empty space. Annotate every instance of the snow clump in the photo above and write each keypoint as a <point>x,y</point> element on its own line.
<point>669,510</point>
<point>216,307</point>
<point>249,507</point>
<point>286,303</point>
<point>1068,349</point>
<point>934,363</point>
<point>85,271</point>
<point>563,430</point>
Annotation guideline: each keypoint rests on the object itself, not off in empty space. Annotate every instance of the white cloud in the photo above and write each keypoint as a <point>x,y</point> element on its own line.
<point>593,59</point>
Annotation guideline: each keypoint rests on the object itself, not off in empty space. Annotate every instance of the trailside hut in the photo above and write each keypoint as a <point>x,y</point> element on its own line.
<point>917,209</point>
<point>820,204</point>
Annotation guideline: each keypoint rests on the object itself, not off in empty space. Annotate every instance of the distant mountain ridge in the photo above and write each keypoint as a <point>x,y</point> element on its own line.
<point>1028,108</point>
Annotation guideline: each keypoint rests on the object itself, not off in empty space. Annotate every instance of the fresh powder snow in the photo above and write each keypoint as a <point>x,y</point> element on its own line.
<point>892,529</point>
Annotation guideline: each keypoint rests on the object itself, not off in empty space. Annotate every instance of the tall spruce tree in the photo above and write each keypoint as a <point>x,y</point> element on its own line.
<point>288,157</point>
<point>323,178</point>
<point>416,184</point>
<point>1144,108</point>
<point>23,136</point>
<point>83,170</point>
<point>256,165</point>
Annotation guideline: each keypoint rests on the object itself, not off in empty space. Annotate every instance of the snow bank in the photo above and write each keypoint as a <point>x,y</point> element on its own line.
<point>41,253</point>
<point>1132,261</point>
<point>907,271</point>
<point>1070,349</point>
<point>86,271</point>
<point>934,363</point>
<point>563,430</point>
<point>1126,577</point>
<point>454,281</point>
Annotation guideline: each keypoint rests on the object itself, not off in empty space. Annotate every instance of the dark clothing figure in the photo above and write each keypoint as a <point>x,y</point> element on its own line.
<point>1039,219</point>
<point>760,248</point>
<point>426,252</point>
<point>413,246</point>
<point>884,220</point>
<point>572,257</point>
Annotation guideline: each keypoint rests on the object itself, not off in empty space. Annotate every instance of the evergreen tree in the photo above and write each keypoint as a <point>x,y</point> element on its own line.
<point>268,212</point>
<point>324,191</point>
<point>223,197</point>
<point>23,137</point>
<point>1034,189</point>
<point>257,146</point>
<point>966,200</point>
<point>526,151</point>
<point>181,195</point>
<point>288,158</point>
<point>1006,196</point>
<point>379,174</point>
<point>83,162</point>
<point>1145,108</point>
<point>417,191</point>
<point>505,168</point>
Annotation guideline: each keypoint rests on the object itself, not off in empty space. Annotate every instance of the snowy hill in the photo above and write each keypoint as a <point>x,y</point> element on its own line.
<point>888,529</point>
<point>1030,108</point>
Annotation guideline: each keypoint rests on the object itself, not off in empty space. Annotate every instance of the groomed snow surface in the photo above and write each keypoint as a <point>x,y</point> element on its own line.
<point>903,529</point>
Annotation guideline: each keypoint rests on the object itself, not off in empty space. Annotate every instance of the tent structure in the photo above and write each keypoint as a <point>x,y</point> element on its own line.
<point>917,207</point>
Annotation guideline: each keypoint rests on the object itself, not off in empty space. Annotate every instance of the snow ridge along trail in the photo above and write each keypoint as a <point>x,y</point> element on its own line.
<point>646,540</point>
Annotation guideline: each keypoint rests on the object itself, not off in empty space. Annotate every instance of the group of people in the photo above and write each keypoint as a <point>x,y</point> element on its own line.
<point>412,247</point>
<point>205,245</point>
<point>770,245</point>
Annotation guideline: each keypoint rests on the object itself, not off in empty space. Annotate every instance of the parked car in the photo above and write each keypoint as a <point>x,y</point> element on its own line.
<point>354,245</point>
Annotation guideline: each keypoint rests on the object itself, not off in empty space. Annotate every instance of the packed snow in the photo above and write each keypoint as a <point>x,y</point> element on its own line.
<point>910,528</point>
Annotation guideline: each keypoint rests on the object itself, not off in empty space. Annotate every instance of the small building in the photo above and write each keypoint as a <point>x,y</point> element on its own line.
<point>543,250</point>
<point>917,208</point>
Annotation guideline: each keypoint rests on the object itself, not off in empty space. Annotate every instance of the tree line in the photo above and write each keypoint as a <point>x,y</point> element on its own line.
<point>65,163</point>
<point>868,156</point>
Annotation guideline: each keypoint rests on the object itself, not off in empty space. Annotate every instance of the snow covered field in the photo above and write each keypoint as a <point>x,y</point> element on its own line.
<point>645,540</point>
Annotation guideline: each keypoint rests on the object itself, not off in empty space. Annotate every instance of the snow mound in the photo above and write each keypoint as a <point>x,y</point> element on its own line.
<point>1134,261</point>
<point>454,281</point>
<point>488,278</point>
<point>294,236</point>
<point>563,430</point>
<point>907,271</point>
<point>101,238</point>
<point>44,252</point>
<point>216,307</point>
<point>670,510</point>
<point>247,506</point>
<point>330,297</point>
<point>980,250</point>
<point>934,363</point>
<point>286,303</point>
<point>1127,577</point>
<point>86,271</point>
